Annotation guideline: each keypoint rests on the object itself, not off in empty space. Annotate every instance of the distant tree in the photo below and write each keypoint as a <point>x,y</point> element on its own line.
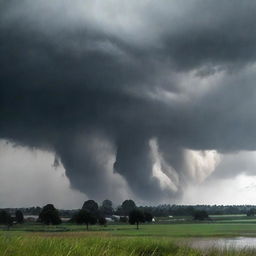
<point>123,219</point>
<point>135,217</point>
<point>49,215</point>
<point>200,215</point>
<point>189,210</point>
<point>85,217</point>
<point>128,206</point>
<point>102,221</point>
<point>5,218</point>
<point>19,216</point>
<point>251,212</point>
<point>92,207</point>
<point>148,216</point>
<point>118,210</point>
<point>107,208</point>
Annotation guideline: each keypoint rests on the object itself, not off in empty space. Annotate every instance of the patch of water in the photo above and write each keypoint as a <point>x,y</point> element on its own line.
<point>234,242</point>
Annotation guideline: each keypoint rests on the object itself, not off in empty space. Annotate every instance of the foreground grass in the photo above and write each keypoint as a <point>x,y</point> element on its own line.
<point>120,240</point>
<point>13,244</point>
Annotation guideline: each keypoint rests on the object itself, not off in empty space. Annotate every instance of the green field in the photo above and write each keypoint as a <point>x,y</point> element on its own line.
<point>117,239</point>
<point>152,230</point>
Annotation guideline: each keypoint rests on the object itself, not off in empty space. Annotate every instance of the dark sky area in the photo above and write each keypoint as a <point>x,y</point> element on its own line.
<point>148,97</point>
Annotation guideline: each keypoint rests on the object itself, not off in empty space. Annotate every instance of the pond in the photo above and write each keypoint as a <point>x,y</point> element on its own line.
<point>234,242</point>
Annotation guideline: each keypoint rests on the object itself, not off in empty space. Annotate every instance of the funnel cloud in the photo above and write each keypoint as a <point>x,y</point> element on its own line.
<point>145,97</point>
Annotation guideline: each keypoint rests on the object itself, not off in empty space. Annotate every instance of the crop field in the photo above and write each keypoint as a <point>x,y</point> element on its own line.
<point>122,239</point>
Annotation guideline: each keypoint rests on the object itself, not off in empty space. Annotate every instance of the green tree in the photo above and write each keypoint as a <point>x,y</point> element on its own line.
<point>102,221</point>
<point>85,217</point>
<point>92,207</point>
<point>135,217</point>
<point>251,212</point>
<point>148,216</point>
<point>5,218</point>
<point>200,215</point>
<point>128,206</point>
<point>49,215</point>
<point>107,208</point>
<point>19,216</point>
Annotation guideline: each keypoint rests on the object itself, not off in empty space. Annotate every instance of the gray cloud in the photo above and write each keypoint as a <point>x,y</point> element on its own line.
<point>77,74</point>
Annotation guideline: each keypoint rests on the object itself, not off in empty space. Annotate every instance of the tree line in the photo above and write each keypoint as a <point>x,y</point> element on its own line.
<point>157,211</point>
<point>90,214</point>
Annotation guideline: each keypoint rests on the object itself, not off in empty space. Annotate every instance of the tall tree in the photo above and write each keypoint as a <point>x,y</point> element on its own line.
<point>135,217</point>
<point>107,208</point>
<point>5,218</point>
<point>91,206</point>
<point>85,217</point>
<point>19,216</point>
<point>128,206</point>
<point>49,215</point>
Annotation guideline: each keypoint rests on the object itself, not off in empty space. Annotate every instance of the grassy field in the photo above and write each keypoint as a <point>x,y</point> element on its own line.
<point>210,229</point>
<point>150,239</point>
<point>96,243</point>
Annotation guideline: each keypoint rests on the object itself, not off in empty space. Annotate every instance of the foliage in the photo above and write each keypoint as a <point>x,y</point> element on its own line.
<point>128,206</point>
<point>102,221</point>
<point>91,206</point>
<point>123,219</point>
<point>5,218</point>
<point>135,217</point>
<point>148,216</point>
<point>251,212</point>
<point>49,215</point>
<point>19,216</point>
<point>159,210</point>
<point>107,208</point>
<point>201,215</point>
<point>85,217</point>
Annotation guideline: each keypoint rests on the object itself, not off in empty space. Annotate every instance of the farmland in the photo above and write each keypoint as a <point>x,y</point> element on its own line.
<point>123,239</point>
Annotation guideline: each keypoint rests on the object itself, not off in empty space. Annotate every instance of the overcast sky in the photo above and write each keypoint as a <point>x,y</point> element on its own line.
<point>150,100</point>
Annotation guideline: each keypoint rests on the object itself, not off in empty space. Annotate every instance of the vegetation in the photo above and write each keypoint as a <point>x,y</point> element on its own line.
<point>135,217</point>
<point>200,215</point>
<point>251,212</point>
<point>157,211</point>
<point>97,244</point>
<point>49,215</point>
<point>102,221</point>
<point>85,217</point>
<point>19,217</point>
<point>91,206</point>
<point>127,207</point>
<point>106,208</point>
<point>5,218</point>
<point>167,235</point>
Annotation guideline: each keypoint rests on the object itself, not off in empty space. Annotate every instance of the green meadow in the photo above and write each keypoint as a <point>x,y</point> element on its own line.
<point>122,239</point>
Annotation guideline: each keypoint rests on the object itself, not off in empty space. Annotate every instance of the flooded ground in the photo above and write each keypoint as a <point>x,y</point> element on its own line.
<point>235,242</point>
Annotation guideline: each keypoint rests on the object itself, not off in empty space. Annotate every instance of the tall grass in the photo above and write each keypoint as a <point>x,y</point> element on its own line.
<point>34,245</point>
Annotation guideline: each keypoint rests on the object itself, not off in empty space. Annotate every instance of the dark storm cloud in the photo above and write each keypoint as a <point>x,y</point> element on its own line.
<point>74,73</point>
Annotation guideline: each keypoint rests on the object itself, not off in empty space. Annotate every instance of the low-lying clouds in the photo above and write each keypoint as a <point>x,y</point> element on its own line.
<point>95,83</point>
